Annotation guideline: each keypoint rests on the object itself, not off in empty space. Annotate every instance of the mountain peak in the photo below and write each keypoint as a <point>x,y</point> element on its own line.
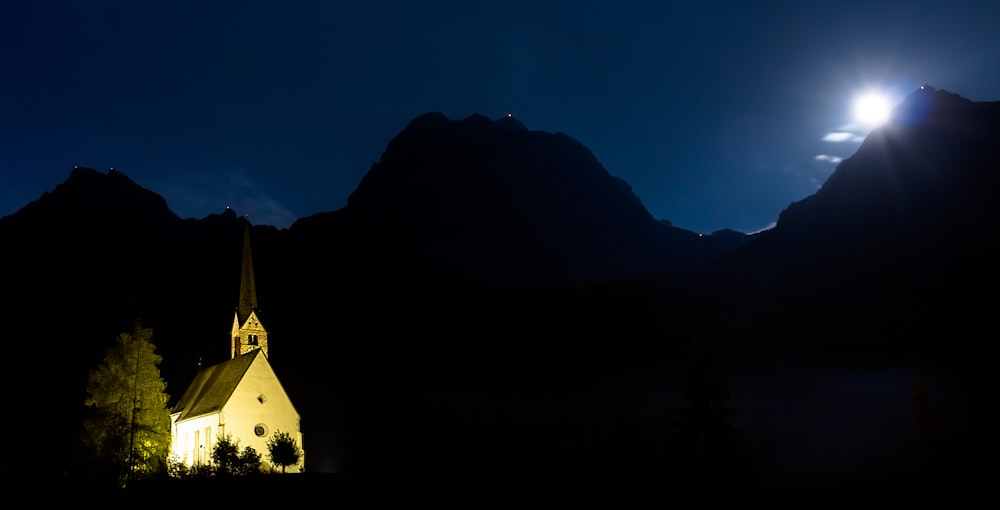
<point>438,120</point>
<point>89,196</point>
<point>428,120</point>
<point>933,149</point>
<point>930,104</point>
<point>485,189</point>
<point>915,198</point>
<point>510,122</point>
<point>86,176</point>
<point>83,172</point>
<point>435,158</point>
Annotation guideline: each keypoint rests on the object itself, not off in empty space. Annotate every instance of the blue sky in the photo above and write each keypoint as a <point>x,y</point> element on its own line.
<point>718,114</point>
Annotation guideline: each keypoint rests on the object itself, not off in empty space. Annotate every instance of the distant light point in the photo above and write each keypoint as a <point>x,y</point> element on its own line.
<point>509,115</point>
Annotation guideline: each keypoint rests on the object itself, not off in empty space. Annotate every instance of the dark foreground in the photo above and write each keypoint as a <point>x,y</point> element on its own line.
<point>468,491</point>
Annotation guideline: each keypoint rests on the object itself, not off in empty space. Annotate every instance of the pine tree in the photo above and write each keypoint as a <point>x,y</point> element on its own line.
<point>126,431</point>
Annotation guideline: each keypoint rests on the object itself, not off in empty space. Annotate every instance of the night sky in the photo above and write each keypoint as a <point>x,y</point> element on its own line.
<point>719,114</point>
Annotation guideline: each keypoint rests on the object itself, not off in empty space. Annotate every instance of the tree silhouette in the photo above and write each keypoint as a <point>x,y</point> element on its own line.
<point>230,461</point>
<point>283,450</point>
<point>249,462</point>
<point>929,455</point>
<point>225,455</point>
<point>126,429</point>
<point>704,447</point>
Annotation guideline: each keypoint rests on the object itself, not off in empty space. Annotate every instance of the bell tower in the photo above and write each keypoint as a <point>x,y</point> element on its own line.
<point>248,332</point>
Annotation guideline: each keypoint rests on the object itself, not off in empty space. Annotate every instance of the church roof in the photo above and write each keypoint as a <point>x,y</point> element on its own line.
<point>212,386</point>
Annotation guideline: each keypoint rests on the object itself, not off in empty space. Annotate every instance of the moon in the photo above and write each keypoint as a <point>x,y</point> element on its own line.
<point>872,109</point>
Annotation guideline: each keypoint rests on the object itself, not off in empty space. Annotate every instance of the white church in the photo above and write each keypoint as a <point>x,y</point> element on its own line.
<point>241,397</point>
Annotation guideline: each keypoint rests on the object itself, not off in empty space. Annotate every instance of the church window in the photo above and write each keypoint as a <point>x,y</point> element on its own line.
<point>260,430</point>
<point>197,447</point>
<point>251,339</point>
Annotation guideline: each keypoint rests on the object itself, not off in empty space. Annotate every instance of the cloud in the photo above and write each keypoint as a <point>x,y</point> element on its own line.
<point>265,210</point>
<point>844,140</point>
<point>842,136</point>
<point>211,193</point>
<point>246,197</point>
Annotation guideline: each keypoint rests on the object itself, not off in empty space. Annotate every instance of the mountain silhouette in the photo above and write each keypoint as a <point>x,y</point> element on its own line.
<point>454,211</point>
<point>481,201</point>
<point>889,264</point>
<point>899,233</point>
<point>885,270</point>
<point>491,298</point>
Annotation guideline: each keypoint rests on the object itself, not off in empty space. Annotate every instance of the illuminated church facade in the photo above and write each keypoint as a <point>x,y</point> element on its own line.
<point>241,398</point>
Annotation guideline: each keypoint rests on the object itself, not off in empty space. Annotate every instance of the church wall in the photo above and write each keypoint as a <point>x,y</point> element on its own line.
<point>192,440</point>
<point>259,399</point>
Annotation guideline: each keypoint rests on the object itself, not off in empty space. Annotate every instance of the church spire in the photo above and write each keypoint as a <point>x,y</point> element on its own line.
<point>248,287</point>
<point>248,333</point>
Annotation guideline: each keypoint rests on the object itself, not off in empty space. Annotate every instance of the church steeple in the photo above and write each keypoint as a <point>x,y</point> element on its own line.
<point>248,287</point>
<point>248,333</point>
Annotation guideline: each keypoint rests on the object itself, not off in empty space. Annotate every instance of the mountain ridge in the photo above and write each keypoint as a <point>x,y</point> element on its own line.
<point>378,314</point>
<point>901,226</point>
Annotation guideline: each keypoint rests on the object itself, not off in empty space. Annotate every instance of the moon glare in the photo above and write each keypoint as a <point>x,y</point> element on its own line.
<point>872,109</point>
